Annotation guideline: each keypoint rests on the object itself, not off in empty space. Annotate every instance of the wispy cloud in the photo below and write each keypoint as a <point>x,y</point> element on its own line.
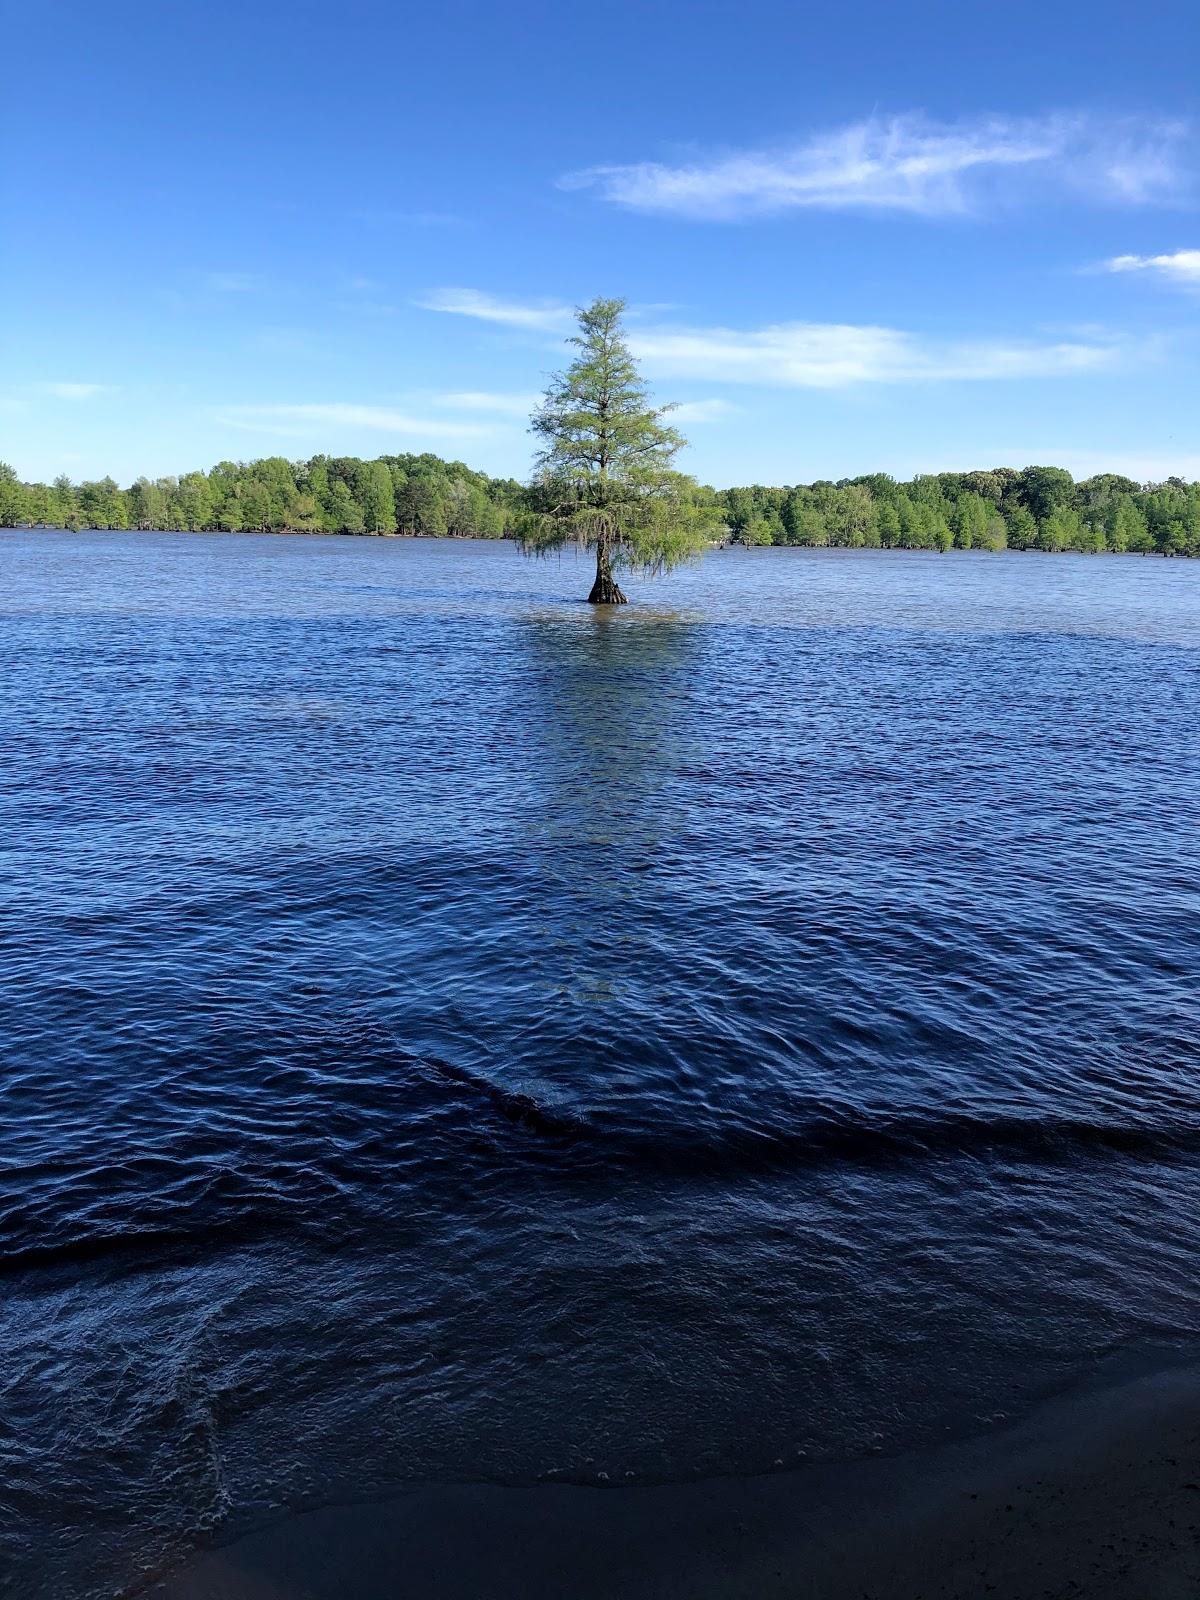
<point>1180,266</point>
<point>544,316</point>
<point>506,405</point>
<point>302,421</point>
<point>74,391</point>
<point>700,410</point>
<point>910,163</point>
<point>368,308</point>
<point>818,355</point>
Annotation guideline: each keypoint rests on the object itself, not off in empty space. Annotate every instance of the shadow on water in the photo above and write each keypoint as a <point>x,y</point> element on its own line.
<point>614,697</point>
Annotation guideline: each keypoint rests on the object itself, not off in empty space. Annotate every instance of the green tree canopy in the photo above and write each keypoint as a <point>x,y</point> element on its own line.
<point>662,512</point>
<point>606,470</point>
<point>14,498</point>
<point>378,498</point>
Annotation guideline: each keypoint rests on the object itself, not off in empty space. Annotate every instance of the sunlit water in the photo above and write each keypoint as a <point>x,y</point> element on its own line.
<point>450,1032</point>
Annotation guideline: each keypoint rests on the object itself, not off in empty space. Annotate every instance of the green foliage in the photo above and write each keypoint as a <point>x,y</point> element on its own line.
<point>605,473</point>
<point>378,498</point>
<point>1173,517</point>
<point>667,517</point>
<point>147,505</point>
<point>1022,529</point>
<point>194,505</point>
<point>1039,508</point>
<point>103,505</point>
<point>14,498</point>
<point>1127,527</point>
<point>1046,490</point>
<point>970,522</point>
<point>304,514</point>
<point>322,495</point>
<point>343,514</point>
<point>64,503</point>
<point>888,520</point>
<point>757,531</point>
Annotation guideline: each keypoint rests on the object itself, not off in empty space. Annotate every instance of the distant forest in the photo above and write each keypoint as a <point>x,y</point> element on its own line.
<point>1035,508</point>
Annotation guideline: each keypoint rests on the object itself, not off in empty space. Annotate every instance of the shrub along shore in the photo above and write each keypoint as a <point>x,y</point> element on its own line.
<point>1033,508</point>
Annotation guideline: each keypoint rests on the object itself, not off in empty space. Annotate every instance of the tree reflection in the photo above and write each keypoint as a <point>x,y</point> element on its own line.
<point>614,698</point>
<point>615,695</point>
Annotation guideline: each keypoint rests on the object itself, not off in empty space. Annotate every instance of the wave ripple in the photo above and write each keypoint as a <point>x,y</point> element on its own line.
<point>451,1033</point>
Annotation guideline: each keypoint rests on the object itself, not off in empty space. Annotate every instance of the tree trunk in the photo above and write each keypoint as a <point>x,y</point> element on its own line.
<point>605,591</point>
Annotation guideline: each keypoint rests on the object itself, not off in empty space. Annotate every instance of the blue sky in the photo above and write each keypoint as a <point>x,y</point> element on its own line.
<point>871,236</point>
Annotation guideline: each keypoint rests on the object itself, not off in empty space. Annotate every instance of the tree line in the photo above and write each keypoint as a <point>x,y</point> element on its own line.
<point>327,494</point>
<point>1035,508</point>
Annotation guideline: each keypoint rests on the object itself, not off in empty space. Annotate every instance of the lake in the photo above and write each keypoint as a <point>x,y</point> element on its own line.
<point>454,1033</point>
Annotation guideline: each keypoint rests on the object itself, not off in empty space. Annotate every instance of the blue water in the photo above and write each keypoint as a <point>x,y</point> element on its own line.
<point>450,1032</point>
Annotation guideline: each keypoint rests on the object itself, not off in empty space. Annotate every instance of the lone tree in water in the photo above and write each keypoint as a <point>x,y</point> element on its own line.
<point>605,469</point>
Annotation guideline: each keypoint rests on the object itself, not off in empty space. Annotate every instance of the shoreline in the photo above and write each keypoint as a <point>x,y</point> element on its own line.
<point>1095,1494</point>
<point>511,538</point>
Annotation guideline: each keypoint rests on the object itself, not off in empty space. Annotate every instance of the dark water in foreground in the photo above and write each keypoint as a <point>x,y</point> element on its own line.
<point>451,1033</point>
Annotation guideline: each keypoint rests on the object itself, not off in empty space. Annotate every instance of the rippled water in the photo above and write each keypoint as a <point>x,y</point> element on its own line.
<point>451,1032</point>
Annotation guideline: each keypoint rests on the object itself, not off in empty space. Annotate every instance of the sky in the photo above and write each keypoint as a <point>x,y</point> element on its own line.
<point>876,236</point>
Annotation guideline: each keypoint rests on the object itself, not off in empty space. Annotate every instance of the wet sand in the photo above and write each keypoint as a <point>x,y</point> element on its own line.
<point>1097,1495</point>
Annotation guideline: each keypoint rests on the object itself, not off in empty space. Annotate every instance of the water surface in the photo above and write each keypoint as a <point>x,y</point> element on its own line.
<point>454,1033</point>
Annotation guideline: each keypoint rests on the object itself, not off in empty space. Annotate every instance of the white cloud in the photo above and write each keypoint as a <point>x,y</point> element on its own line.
<point>508,405</point>
<point>368,308</point>
<point>908,163</point>
<point>545,316</point>
<point>817,355</point>
<point>73,391</point>
<point>1181,266</point>
<point>813,355</point>
<point>700,410</point>
<point>302,421</point>
<point>523,405</point>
